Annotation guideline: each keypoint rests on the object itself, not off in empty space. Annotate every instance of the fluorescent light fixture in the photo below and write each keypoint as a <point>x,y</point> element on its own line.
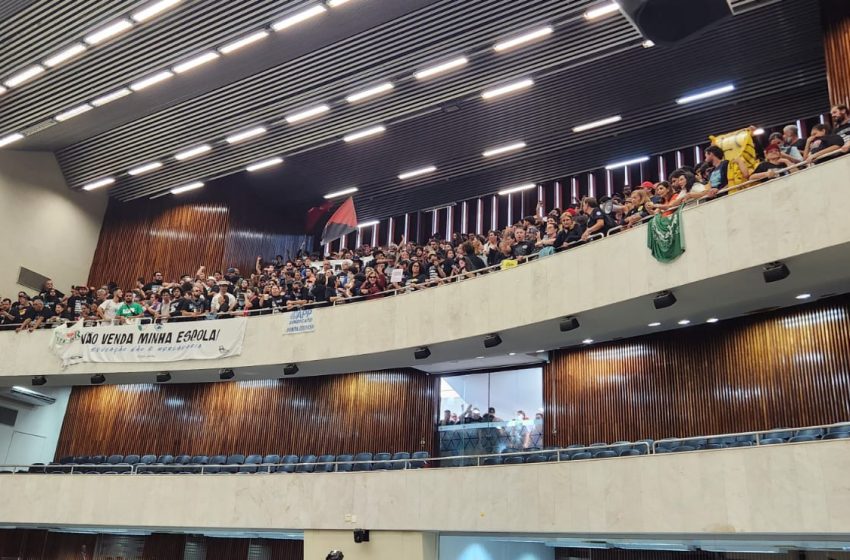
<point>441,68</point>
<point>189,187</point>
<point>648,44</point>
<point>370,92</point>
<point>110,30</point>
<point>758,132</point>
<point>523,39</point>
<point>195,62</point>
<point>264,164</point>
<point>655,324</point>
<point>243,42</point>
<point>368,224</point>
<point>192,152</point>
<point>71,113</point>
<point>140,170</point>
<point>518,188</point>
<point>712,320</point>
<point>540,351</point>
<point>153,9</point>
<point>713,92</point>
<point>801,296</point>
<point>110,97</point>
<point>508,88</point>
<point>307,113</point>
<point>24,75</point>
<point>504,149</point>
<point>105,182</point>
<point>335,3</point>
<point>603,10</point>
<point>587,341</point>
<point>245,135</point>
<point>64,55</point>
<point>620,164</point>
<point>3,90</point>
<point>417,172</point>
<point>364,133</point>
<point>298,17</point>
<point>8,139</point>
<point>343,192</point>
<point>685,322</point>
<point>511,353</point>
<point>151,80</point>
<point>597,124</point>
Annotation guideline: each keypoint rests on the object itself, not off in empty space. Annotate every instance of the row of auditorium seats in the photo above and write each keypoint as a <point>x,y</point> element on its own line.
<point>234,464</point>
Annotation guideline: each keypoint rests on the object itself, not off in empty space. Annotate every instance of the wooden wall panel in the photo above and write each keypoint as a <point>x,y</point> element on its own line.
<point>836,38</point>
<point>386,411</point>
<point>789,368</point>
<point>164,546</point>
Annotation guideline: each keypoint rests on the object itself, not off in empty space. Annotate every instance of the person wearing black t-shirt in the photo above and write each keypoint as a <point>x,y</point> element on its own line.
<point>822,145</point>
<point>570,232</point>
<point>841,122</point>
<point>6,317</point>
<point>772,167</point>
<point>154,285</point>
<point>596,222</point>
<point>297,296</point>
<point>49,290</point>
<point>523,247</point>
<point>75,302</point>
<point>191,306</point>
<point>35,315</point>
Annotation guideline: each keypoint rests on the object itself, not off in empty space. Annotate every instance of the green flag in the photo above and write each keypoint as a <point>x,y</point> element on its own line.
<point>664,236</point>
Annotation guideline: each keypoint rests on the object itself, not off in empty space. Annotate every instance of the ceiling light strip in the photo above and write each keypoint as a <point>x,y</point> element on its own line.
<point>11,138</point>
<point>601,11</point>
<point>307,114</point>
<point>66,54</point>
<point>71,113</point>
<point>417,172</point>
<point>713,92</point>
<point>298,17</point>
<point>151,80</point>
<point>372,131</point>
<point>627,162</point>
<point>504,149</point>
<point>145,168</point>
<point>370,92</point>
<point>24,76</point>
<point>110,97</point>
<point>518,188</point>
<point>245,135</point>
<point>192,152</point>
<point>108,32</point>
<point>508,88</point>
<point>265,164</point>
<point>441,68</point>
<point>343,192</point>
<point>186,188</point>
<point>105,182</point>
<point>597,124</point>
<point>153,9</point>
<point>523,39</point>
<point>196,61</point>
<point>243,42</point>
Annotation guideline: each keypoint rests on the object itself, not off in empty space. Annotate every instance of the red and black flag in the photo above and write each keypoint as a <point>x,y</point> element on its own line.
<point>317,213</point>
<point>343,222</point>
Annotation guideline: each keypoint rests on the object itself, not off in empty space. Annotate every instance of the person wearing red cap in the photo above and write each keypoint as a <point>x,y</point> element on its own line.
<point>773,166</point>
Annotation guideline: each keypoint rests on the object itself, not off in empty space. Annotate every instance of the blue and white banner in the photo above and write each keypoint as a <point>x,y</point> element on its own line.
<point>300,321</point>
<point>169,342</point>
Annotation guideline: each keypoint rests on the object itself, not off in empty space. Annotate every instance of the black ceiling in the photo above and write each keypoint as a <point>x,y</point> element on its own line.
<point>771,51</point>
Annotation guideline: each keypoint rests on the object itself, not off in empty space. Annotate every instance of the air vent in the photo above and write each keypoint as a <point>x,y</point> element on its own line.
<point>28,396</point>
<point>763,310</point>
<point>8,416</point>
<point>31,279</point>
<point>44,125</point>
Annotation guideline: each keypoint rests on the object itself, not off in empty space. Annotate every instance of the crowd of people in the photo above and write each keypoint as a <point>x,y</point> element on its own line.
<point>369,272</point>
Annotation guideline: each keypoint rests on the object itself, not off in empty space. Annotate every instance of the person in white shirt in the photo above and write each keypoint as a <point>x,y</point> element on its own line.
<point>223,303</point>
<point>106,310</point>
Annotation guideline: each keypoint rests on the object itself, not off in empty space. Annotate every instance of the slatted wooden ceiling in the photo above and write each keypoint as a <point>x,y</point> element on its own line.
<point>836,19</point>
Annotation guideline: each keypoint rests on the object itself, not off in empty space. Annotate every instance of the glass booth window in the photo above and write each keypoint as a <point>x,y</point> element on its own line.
<point>496,412</point>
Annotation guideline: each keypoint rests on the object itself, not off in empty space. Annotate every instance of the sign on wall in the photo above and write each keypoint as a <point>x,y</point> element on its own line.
<point>169,342</point>
<point>300,321</point>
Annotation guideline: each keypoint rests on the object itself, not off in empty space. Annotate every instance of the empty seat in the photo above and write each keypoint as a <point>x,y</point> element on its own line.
<point>344,462</point>
<point>683,449</point>
<point>381,463</point>
<point>232,463</point>
<point>802,439</point>
<point>145,462</point>
<point>581,455</point>
<point>630,453</point>
<point>536,458</point>
<point>771,441</point>
<point>604,454</point>
<point>250,464</point>
<point>620,446</point>
<point>326,463</point>
<point>667,443</point>
<point>511,450</point>
<point>112,465</point>
<point>843,429</point>
<point>598,444</point>
<point>214,465</point>
<point>659,450</point>
<point>288,464</point>
<point>176,466</point>
<point>695,443</point>
<point>399,460</point>
<point>307,464</point>
<point>554,458</point>
<point>419,459</point>
<point>814,432</point>
<point>513,460</point>
<point>749,437</point>
<point>714,446</point>
<point>741,444</point>
<point>269,463</point>
<point>837,435</point>
<point>780,433</point>
<point>363,462</point>
<point>488,461</point>
<point>643,446</point>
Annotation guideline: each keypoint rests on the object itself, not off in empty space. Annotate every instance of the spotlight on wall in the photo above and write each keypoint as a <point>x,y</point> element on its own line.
<point>226,374</point>
<point>663,299</point>
<point>775,271</point>
<point>422,353</point>
<point>38,380</point>
<point>492,340</point>
<point>163,377</point>
<point>290,369</point>
<point>98,379</point>
<point>569,324</point>
<point>361,535</point>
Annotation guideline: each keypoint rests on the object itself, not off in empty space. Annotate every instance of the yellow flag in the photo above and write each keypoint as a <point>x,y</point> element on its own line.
<point>737,147</point>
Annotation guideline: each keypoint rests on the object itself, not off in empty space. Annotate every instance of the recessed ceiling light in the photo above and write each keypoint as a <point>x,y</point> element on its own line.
<point>110,30</point>
<point>479,357</point>
<point>713,92</point>
<point>368,224</point>
<point>151,80</point>
<point>685,322</point>
<point>8,139</point>
<point>195,62</point>
<point>64,55</point>
<point>712,320</point>
<point>189,187</point>
<point>24,75</point>
<point>648,44</point>
<point>511,353</point>
<point>370,92</point>
<point>523,39</point>
<point>192,152</point>
<point>803,296</point>
<point>243,42</point>
<point>153,9</point>
<point>307,113</point>
<point>587,341</point>
<point>655,324</point>
<point>105,182</point>
<point>110,97</point>
<point>603,10</point>
<point>298,17</point>
<point>441,68</point>
<point>508,88</point>
<point>364,133</point>
<point>518,188</point>
<point>504,149</point>
<point>417,172</point>
<point>71,113</point>
<point>343,192</point>
<point>633,161</point>
<point>245,135</point>
<point>141,169</point>
<point>597,124</point>
<point>265,164</point>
